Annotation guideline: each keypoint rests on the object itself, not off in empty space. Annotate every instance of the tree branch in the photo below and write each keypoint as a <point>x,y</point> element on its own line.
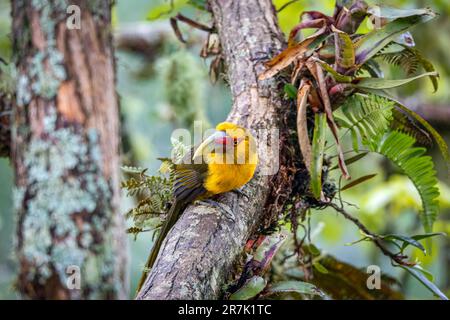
<point>395,257</point>
<point>148,38</point>
<point>199,253</point>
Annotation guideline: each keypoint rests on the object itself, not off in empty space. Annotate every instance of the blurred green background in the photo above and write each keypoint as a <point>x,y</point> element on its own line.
<point>169,86</point>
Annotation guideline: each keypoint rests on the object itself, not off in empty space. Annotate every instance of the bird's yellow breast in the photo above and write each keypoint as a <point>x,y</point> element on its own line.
<point>226,177</point>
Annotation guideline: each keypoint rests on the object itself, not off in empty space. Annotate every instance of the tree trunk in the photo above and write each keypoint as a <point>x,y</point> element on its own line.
<point>65,150</point>
<point>200,252</point>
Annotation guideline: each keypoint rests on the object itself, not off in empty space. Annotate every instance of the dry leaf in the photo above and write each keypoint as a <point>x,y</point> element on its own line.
<point>302,128</point>
<point>330,119</point>
<point>316,23</point>
<point>286,57</point>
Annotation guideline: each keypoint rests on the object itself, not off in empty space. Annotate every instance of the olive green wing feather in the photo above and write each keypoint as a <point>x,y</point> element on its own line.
<point>189,179</point>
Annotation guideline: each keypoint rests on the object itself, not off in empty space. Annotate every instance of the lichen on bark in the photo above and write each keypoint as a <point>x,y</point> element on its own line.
<point>65,158</point>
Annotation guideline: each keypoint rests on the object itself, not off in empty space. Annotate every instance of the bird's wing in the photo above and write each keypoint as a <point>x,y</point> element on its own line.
<point>189,179</point>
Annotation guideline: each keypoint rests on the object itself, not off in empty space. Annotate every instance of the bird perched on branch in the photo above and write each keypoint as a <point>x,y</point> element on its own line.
<point>223,162</point>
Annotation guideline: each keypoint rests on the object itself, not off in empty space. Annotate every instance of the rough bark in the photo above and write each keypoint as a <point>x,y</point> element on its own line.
<point>201,250</point>
<point>65,151</point>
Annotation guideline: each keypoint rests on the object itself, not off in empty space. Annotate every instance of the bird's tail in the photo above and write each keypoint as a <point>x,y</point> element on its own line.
<point>172,217</point>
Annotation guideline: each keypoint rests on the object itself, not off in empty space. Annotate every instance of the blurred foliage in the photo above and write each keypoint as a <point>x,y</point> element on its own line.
<point>180,73</point>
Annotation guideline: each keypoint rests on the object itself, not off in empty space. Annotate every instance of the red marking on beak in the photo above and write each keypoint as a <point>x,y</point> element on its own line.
<point>222,140</point>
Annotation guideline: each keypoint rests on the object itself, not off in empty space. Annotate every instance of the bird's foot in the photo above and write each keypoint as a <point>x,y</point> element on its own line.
<point>223,207</point>
<point>241,193</point>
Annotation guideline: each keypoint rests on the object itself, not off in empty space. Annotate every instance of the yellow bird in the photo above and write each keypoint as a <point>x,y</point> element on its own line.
<point>223,162</point>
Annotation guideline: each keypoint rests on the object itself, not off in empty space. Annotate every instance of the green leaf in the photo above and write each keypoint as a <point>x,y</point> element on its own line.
<point>406,241</point>
<point>415,239</point>
<point>166,9</point>
<point>373,68</point>
<point>358,181</point>
<point>418,274</point>
<point>379,83</point>
<point>424,236</point>
<point>345,53</point>
<point>319,267</point>
<point>399,148</point>
<point>318,149</point>
<point>355,143</point>
<point>425,272</point>
<point>290,90</point>
<point>351,160</point>
<point>372,43</point>
<point>428,235</point>
<point>437,137</point>
<point>394,13</point>
<point>409,59</point>
<point>250,289</point>
<point>427,66</point>
<point>295,286</point>
<point>199,4</point>
<point>371,117</point>
<point>336,75</point>
<point>366,115</point>
<point>312,249</point>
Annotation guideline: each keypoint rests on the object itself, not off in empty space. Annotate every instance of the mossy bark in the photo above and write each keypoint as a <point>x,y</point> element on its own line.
<point>199,255</point>
<point>65,151</point>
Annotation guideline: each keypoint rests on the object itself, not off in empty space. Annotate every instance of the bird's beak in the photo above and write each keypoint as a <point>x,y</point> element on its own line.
<point>209,142</point>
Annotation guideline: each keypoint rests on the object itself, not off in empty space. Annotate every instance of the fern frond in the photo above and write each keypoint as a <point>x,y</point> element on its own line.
<point>373,69</point>
<point>148,211</point>
<point>399,148</point>
<point>405,59</point>
<point>368,116</point>
<point>409,59</point>
<point>403,123</point>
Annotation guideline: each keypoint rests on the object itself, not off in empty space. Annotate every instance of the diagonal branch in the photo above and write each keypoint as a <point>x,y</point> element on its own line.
<point>398,258</point>
<point>199,254</point>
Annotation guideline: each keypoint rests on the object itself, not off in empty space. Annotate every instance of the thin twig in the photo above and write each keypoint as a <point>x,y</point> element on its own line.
<point>396,257</point>
<point>192,23</point>
<point>188,21</point>
<point>176,30</point>
<point>287,4</point>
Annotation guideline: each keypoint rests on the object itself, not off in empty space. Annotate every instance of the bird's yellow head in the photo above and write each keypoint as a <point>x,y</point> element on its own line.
<point>230,144</point>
